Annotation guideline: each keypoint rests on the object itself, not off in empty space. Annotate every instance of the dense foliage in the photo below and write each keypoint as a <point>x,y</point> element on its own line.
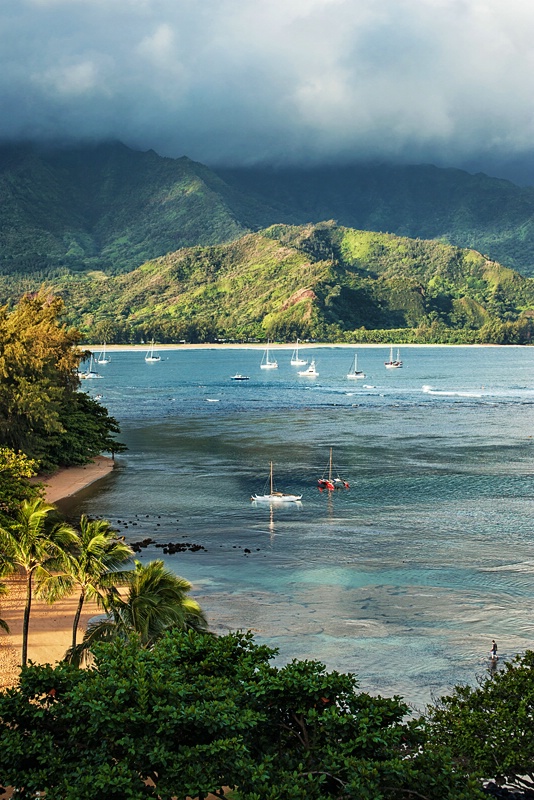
<point>320,282</point>
<point>157,600</point>
<point>197,713</point>
<point>105,207</point>
<point>489,729</point>
<point>15,471</point>
<point>42,413</point>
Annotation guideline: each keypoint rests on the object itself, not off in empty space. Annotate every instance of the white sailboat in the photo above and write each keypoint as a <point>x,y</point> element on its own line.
<point>151,355</point>
<point>267,362</point>
<point>91,372</point>
<point>296,360</point>
<point>393,363</point>
<point>103,357</point>
<point>274,496</point>
<point>354,372</point>
<point>311,372</point>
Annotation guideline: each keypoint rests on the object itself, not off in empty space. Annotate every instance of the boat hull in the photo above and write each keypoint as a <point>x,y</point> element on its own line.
<point>277,498</point>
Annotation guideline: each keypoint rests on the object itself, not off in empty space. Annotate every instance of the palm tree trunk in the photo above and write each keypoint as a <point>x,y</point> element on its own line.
<point>77,619</point>
<point>26,623</point>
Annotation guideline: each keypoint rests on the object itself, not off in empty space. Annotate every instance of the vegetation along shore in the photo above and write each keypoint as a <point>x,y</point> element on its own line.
<point>112,683</point>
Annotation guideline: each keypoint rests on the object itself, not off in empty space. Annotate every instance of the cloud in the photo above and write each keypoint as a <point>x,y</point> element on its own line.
<point>245,81</point>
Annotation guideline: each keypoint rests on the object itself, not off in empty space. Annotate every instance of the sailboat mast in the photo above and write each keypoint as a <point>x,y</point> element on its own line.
<point>271,477</point>
<point>330,467</point>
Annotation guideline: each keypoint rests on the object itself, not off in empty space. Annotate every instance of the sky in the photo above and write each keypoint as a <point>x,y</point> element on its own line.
<point>230,82</point>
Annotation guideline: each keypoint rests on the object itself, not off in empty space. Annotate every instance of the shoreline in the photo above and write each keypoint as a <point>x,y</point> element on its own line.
<point>71,480</point>
<point>141,348</point>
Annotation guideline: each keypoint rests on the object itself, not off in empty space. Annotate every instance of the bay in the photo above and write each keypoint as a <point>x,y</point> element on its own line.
<point>404,579</point>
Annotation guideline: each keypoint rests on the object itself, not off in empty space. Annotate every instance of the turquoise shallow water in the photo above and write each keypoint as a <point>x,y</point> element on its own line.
<point>404,579</point>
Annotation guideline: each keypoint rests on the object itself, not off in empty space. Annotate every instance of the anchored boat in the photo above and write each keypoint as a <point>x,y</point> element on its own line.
<point>274,496</point>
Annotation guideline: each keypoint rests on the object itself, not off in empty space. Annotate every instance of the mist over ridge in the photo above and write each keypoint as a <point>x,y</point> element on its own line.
<point>269,83</point>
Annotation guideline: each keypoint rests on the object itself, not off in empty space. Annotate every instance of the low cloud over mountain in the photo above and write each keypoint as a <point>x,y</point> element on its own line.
<point>298,81</point>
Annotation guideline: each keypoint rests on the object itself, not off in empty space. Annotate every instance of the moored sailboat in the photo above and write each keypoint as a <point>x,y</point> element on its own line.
<point>91,372</point>
<point>327,481</point>
<point>152,355</point>
<point>276,497</point>
<point>103,357</point>
<point>393,363</point>
<point>267,362</point>
<point>354,372</point>
<point>296,360</point>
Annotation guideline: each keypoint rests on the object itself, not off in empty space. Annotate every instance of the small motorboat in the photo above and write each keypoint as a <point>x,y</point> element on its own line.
<point>239,377</point>
<point>310,372</point>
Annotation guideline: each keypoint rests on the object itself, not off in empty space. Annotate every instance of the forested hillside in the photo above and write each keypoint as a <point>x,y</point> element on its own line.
<point>488,214</point>
<point>318,281</point>
<point>111,208</point>
<point>106,207</point>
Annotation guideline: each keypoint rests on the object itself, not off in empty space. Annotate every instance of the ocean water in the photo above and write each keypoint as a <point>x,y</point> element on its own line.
<point>404,579</point>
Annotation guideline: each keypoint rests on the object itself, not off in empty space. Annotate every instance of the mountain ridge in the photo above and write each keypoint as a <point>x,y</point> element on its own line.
<point>111,208</point>
<point>322,282</point>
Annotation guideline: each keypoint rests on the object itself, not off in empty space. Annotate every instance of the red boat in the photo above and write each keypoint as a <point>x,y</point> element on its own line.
<point>327,481</point>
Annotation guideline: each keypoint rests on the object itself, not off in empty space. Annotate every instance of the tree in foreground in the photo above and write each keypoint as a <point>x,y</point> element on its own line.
<point>489,730</point>
<point>42,413</point>
<point>15,471</point>
<point>156,601</point>
<point>36,545</point>
<point>3,623</point>
<point>94,566</point>
<point>196,713</point>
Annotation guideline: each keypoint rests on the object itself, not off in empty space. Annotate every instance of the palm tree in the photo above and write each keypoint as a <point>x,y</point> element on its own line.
<point>156,601</point>
<point>3,623</point>
<point>93,568</point>
<point>35,545</point>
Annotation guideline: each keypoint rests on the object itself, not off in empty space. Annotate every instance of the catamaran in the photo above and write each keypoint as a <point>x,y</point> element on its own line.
<point>354,372</point>
<point>296,360</point>
<point>151,355</point>
<point>327,481</point>
<point>311,372</point>
<point>267,362</point>
<point>393,363</point>
<point>274,496</point>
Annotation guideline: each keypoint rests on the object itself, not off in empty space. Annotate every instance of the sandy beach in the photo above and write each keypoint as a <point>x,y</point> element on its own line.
<point>50,626</point>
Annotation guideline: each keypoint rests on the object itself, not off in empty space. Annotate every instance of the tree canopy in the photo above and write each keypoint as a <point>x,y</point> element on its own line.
<point>488,729</point>
<point>196,713</point>
<point>42,413</point>
<point>15,470</point>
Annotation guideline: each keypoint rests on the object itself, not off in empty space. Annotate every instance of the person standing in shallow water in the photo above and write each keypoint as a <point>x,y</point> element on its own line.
<point>493,649</point>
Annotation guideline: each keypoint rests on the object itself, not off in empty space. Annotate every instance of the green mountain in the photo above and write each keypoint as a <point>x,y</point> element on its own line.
<point>317,281</point>
<point>111,208</point>
<point>491,215</point>
<point>107,207</point>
